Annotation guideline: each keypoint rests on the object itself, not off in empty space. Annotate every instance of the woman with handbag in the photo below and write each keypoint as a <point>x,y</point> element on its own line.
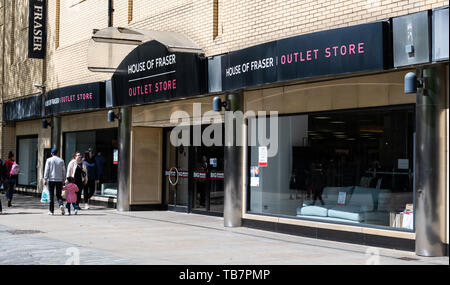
<point>77,170</point>
<point>12,169</point>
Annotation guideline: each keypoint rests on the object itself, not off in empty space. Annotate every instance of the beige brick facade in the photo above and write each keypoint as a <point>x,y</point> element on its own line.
<point>238,24</point>
<point>216,26</point>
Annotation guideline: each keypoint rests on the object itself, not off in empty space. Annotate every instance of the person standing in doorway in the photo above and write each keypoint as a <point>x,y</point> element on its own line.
<point>54,176</point>
<point>89,189</point>
<point>11,177</point>
<point>100,161</point>
<point>77,170</point>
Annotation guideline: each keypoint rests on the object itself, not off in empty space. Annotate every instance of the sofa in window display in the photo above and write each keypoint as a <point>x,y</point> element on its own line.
<point>109,189</point>
<point>356,205</point>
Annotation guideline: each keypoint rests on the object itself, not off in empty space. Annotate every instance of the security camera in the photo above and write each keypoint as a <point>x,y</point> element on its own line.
<point>37,85</point>
<point>217,104</point>
<point>45,124</point>
<point>412,83</point>
<point>112,116</point>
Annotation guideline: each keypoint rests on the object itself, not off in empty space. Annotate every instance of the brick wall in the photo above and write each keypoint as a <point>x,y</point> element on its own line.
<point>240,24</point>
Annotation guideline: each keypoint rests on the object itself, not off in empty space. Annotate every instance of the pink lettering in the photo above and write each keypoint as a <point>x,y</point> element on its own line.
<point>289,60</point>
<point>308,55</point>
<point>315,53</point>
<point>343,50</point>
<point>360,47</point>
<point>351,48</point>
<point>295,53</point>
<point>335,50</point>
<point>327,52</point>
<point>283,59</point>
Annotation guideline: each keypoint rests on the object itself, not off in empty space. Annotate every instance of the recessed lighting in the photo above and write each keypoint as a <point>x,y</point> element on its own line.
<point>322,118</point>
<point>337,122</point>
<point>351,139</point>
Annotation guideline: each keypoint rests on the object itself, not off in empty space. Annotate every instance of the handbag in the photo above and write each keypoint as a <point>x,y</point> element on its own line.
<point>63,194</point>
<point>45,195</point>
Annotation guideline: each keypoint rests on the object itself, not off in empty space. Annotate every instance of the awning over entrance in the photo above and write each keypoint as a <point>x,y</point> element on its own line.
<point>108,47</point>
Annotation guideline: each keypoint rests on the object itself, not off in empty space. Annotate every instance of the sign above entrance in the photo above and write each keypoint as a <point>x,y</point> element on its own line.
<point>37,31</point>
<point>345,50</point>
<point>80,97</point>
<point>21,109</point>
<point>150,73</point>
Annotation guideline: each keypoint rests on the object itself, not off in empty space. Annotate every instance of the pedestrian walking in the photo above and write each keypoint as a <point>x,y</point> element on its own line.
<point>77,170</point>
<point>2,179</point>
<point>12,171</point>
<point>89,189</point>
<point>54,176</point>
<point>71,194</point>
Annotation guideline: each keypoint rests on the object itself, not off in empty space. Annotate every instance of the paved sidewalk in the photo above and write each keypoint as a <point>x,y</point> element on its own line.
<point>105,236</point>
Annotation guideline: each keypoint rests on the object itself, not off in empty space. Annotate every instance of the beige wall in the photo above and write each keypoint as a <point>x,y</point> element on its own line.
<point>86,121</point>
<point>146,165</point>
<point>255,22</point>
<point>356,92</point>
<point>158,115</point>
<point>34,127</point>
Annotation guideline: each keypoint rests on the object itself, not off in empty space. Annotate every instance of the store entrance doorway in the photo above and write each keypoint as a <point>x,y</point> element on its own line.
<point>194,177</point>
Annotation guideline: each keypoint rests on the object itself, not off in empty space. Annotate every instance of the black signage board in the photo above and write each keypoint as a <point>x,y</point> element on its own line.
<point>37,29</point>
<point>80,97</point>
<point>22,109</point>
<point>352,49</point>
<point>150,73</point>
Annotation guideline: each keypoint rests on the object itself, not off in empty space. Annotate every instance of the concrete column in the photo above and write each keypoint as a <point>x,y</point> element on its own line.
<point>430,163</point>
<point>56,133</point>
<point>233,163</point>
<point>123,176</point>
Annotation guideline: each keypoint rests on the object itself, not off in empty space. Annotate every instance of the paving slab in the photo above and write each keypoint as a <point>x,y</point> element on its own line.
<point>105,236</point>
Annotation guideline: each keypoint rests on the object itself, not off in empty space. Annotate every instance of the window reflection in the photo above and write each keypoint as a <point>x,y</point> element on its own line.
<point>347,167</point>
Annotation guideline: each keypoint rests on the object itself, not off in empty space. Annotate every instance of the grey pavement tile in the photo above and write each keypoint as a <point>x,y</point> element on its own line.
<point>105,236</point>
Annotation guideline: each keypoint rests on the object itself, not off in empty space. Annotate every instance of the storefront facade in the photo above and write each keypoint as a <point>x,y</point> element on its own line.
<point>348,138</point>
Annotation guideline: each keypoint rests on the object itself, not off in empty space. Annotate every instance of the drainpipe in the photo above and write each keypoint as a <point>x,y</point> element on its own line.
<point>110,13</point>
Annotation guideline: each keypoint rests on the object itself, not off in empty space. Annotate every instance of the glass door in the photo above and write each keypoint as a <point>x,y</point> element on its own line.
<point>177,179</point>
<point>208,179</point>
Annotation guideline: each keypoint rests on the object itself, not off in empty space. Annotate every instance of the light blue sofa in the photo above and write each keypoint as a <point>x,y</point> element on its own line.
<point>109,189</point>
<point>361,206</point>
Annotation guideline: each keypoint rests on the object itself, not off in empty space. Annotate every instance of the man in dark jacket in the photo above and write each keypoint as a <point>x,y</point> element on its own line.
<point>91,166</point>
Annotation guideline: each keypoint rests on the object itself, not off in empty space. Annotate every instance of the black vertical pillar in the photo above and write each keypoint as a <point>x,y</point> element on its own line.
<point>56,133</point>
<point>430,162</point>
<point>123,175</point>
<point>233,163</point>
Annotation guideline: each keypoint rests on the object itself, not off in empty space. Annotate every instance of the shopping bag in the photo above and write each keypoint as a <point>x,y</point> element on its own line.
<point>408,220</point>
<point>45,197</point>
<point>63,194</point>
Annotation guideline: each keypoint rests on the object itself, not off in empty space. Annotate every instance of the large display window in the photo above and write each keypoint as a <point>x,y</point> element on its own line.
<point>27,158</point>
<point>352,166</point>
<point>104,145</point>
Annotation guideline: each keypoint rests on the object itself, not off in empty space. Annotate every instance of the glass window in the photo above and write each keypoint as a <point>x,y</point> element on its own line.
<point>346,167</point>
<point>27,155</point>
<point>104,144</point>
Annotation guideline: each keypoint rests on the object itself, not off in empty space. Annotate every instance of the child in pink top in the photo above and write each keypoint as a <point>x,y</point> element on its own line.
<point>71,194</point>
